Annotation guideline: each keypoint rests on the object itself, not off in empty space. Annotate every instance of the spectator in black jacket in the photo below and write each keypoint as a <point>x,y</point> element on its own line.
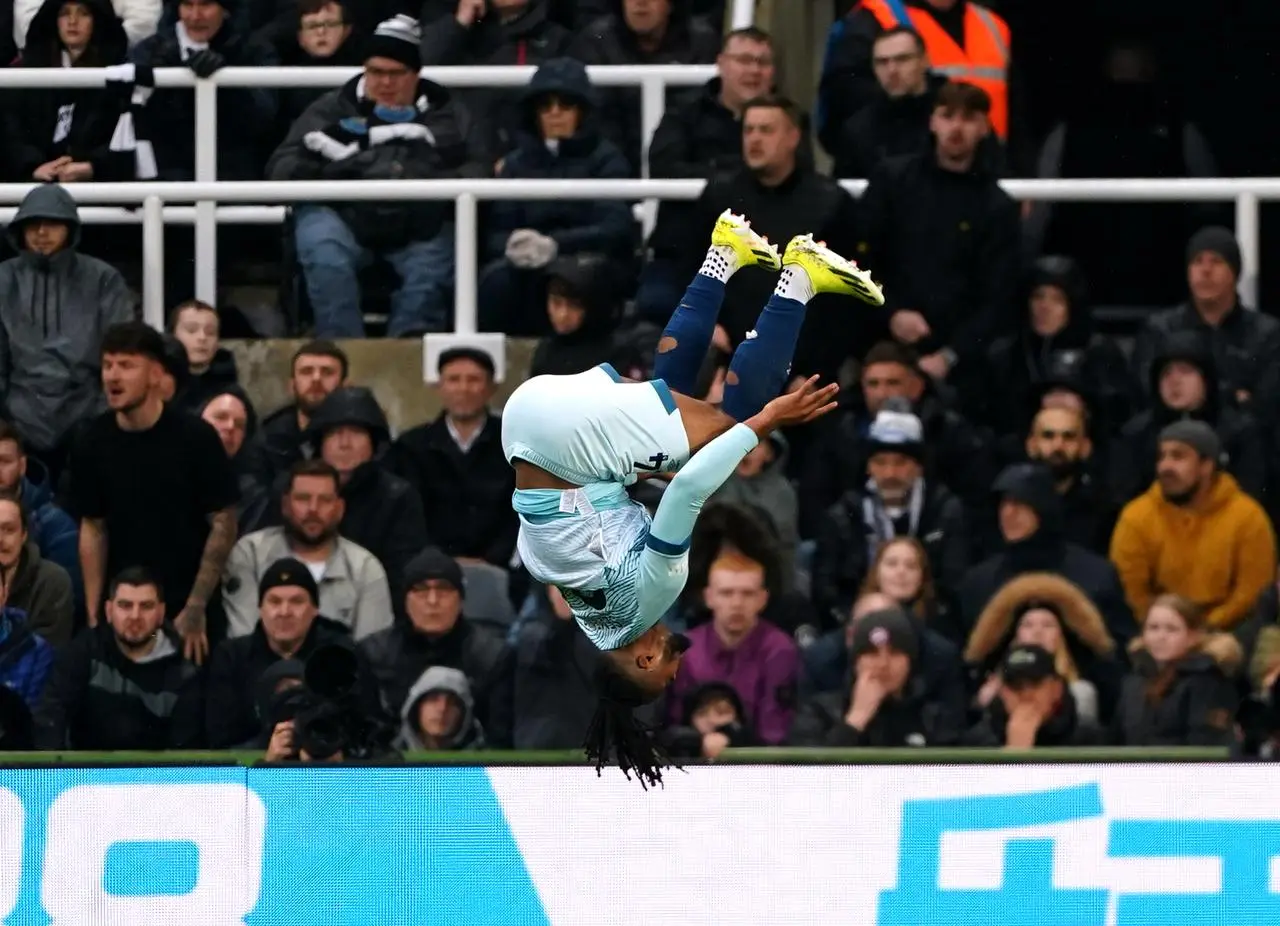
<point>1030,518</point>
<point>943,236</point>
<point>290,628</point>
<point>64,133</point>
<point>1055,339</point>
<point>322,36</point>
<point>715,719</point>
<point>885,703</point>
<point>896,121</point>
<point>231,414</point>
<point>317,368</point>
<point>456,464</point>
<point>1033,708</point>
<point>898,500</point>
<point>583,307</point>
<point>1245,344</point>
<point>557,139</point>
<point>783,196</point>
<point>475,32</point>
<point>642,32</point>
<point>825,662</point>
<point>1183,384</point>
<point>1059,440</point>
<point>957,454</point>
<point>205,36</point>
<point>701,137</point>
<point>383,512</point>
<point>123,684</point>
<point>1182,691</point>
<point>436,634</point>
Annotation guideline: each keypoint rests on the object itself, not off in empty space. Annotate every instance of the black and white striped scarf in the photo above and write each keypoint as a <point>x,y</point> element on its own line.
<point>136,83</point>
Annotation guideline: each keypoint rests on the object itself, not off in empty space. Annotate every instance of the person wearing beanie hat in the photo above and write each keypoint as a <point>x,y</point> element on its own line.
<point>387,122</point>
<point>437,633</point>
<point>1244,343</point>
<point>1032,539</point>
<point>1195,532</point>
<point>886,704</point>
<point>897,500</point>
<point>1034,707</point>
<point>289,573</point>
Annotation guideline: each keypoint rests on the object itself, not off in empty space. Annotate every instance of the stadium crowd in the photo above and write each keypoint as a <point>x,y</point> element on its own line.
<point>1015,531</point>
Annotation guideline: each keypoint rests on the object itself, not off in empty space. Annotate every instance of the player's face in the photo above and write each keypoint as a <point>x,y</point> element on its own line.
<point>658,654</point>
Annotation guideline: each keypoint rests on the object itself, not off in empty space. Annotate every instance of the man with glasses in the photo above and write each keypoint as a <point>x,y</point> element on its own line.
<point>384,124</point>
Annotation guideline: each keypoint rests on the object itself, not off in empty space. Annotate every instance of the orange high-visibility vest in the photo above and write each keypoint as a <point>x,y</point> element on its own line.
<point>983,62</point>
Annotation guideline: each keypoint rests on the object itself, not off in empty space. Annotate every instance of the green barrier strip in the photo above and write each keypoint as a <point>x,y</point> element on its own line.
<point>758,756</point>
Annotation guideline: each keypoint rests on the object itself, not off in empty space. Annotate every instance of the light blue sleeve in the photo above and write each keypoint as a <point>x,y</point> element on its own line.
<point>663,567</point>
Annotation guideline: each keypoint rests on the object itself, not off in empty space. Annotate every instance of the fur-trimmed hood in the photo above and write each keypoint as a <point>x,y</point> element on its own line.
<point>1082,622</point>
<point>1220,649</point>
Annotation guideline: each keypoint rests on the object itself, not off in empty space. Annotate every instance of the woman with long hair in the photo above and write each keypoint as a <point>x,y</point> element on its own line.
<point>1182,690</point>
<point>901,570</point>
<point>1046,610</point>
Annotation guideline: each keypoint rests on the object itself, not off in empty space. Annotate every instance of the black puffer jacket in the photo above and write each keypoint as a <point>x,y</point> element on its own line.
<point>1194,706</point>
<point>1018,362</point>
<point>603,226</point>
<point>450,151</point>
<point>33,116</point>
<point>384,513</point>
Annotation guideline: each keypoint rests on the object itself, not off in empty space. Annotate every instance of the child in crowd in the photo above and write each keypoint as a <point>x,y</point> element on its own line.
<point>211,368</point>
<point>714,720</point>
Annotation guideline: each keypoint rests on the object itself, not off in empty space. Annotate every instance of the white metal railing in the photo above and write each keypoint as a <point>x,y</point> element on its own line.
<point>158,199</point>
<point>744,13</point>
<point>652,80</point>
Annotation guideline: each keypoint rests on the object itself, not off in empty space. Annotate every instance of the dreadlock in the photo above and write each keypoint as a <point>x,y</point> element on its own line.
<point>615,731</point>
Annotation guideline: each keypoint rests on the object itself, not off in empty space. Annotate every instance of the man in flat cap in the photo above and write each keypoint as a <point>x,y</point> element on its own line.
<point>1194,532</point>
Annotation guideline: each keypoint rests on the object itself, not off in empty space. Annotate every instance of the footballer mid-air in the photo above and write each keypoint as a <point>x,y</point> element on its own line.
<point>576,442</point>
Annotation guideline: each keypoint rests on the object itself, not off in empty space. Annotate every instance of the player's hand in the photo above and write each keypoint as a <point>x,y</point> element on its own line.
<point>798,407</point>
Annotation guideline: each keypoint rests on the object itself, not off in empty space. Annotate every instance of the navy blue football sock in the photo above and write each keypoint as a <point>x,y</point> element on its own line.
<point>762,361</point>
<point>687,337</point>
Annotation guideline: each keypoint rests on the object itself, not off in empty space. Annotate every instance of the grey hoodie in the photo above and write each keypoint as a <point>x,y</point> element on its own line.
<point>53,312</point>
<point>440,678</point>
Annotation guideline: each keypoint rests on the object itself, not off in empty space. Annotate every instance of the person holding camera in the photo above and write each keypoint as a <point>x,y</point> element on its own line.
<point>289,627</point>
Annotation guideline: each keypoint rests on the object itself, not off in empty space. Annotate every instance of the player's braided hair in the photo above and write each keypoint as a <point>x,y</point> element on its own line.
<point>616,732</point>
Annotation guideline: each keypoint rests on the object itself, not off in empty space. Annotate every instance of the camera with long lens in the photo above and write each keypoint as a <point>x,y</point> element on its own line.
<point>334,721</point>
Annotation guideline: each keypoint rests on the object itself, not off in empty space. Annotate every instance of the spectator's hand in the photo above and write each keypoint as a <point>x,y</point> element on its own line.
<point>868,695</point>
<point>1024,721</point>
<point>529,249</point>
<point>935,365</point>
<point>990,688</point>
<point>280,749</point>
<point>75,172</point>
<point>497,166</point>
<point>48,171</point>
<point>798,407</point>
<point>190,623</point>
<point>713,744</point>
<point>720,340</point>
<point>205,63</point>
<point>469,11</point>
<point>909,326</point>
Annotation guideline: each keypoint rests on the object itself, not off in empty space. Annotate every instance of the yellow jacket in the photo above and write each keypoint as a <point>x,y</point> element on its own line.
<point>1221,555</point>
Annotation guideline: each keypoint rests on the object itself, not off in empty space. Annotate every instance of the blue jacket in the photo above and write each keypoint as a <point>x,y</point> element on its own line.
<point>54,532</point>
<point>25,657</point>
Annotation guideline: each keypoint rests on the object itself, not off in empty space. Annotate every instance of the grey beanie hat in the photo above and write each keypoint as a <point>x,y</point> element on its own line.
<point>1197,435</point>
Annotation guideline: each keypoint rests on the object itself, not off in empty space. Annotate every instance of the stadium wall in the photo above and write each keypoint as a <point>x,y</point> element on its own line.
<point>1130,844</point>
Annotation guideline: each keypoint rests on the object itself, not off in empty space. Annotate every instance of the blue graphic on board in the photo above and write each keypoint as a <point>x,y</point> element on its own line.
<point>1027,895</point>
<point>259,847</point>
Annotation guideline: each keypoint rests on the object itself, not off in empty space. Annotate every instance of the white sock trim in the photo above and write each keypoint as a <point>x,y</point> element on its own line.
<point>721,263</point>
<point>794,283</point>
